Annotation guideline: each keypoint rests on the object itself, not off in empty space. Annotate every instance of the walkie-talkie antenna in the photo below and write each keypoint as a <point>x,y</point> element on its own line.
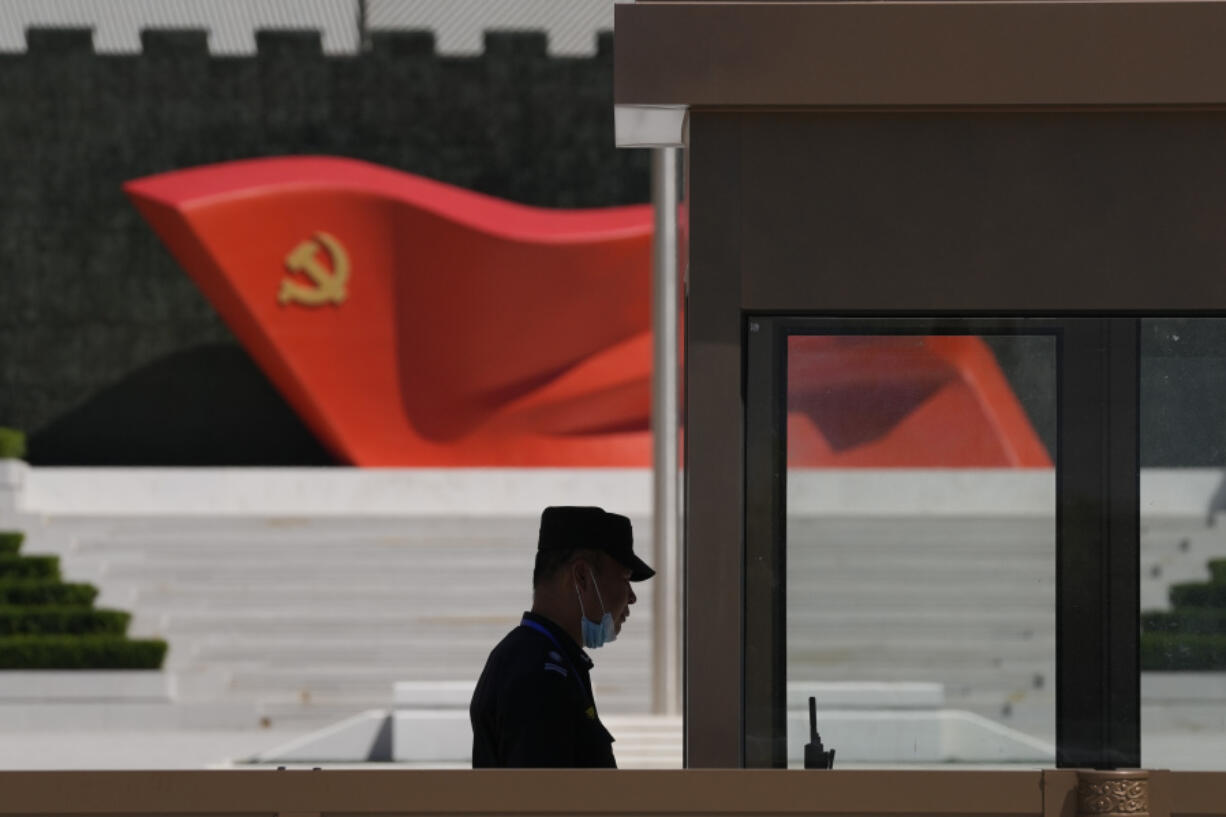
<point>816,756</point>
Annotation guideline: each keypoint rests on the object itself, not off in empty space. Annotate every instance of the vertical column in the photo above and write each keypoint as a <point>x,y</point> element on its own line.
<point>714,448</point>
<point>666,607</point>
<point>765,627</point>
<point>363,15</point>
<point>1098,530</point>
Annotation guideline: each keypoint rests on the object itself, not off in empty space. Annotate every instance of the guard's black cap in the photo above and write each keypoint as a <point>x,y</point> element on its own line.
<point>569,526</point>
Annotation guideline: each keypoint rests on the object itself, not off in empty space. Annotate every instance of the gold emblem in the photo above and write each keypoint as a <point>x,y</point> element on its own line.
<point>328,284</point>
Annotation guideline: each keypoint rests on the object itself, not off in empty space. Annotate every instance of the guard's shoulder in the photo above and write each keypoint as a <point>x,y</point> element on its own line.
<point>555,663</point>
<point>521,646</point>
<point>526,654</point>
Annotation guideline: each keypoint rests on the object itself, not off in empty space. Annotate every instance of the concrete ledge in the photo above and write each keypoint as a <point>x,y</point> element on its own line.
<point>934,736</point>
<point>1182,491</point>
<point>463,492</point>
<point>945,492</point>
<point>867,722</point>
<point>124,716</point>
<point>501,492</point>
<point>1191,705</point>
<point>433,694</point>
<point>13,475</point>
<point>110,686</point>
<point>421,735</point>
<point>407,736</point>
<point>353,740</point>
<point>1183,687</point>
<point>860,736</point>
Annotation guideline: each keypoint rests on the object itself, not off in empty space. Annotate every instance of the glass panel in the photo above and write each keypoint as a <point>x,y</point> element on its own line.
<point>1183,543</point>
<point>921,548</point>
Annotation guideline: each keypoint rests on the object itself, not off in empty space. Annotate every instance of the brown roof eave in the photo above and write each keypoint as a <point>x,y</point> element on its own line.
<point>921,54</point>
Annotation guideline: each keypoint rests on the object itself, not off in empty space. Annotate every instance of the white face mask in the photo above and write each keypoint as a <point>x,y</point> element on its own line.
<point>596,635</point>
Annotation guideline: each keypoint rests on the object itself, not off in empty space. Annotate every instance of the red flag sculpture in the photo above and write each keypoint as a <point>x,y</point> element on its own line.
<point>411,323</point>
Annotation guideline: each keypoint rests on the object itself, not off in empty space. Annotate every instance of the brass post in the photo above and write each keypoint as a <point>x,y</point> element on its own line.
<point>1112,793</point>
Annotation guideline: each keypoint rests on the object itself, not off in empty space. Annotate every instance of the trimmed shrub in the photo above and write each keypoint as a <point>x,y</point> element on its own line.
<point>80,652</point>
<point>46,623</point>
<point>1217,569</point>
<point>13,566</point>
<point>1198,594</point>
<point>1191,620</point>
<point>10,542</point>
<point>62,621</point>
<point>28,592</point>
<point>1169,651</point>
<point>12,444</point>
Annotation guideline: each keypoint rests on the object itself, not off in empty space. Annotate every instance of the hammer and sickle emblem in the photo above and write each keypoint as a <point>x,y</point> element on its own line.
<point>329,284</point>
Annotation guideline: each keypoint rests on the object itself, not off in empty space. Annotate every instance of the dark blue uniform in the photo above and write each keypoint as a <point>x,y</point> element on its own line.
<point>533,704</point>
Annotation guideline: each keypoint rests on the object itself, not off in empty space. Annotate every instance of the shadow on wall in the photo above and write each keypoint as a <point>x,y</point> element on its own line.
<point>204,406</point>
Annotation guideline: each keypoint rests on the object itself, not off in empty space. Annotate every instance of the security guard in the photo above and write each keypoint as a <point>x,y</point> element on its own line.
<point>533,704</point>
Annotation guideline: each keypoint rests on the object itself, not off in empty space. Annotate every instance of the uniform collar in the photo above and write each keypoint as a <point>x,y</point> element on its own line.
<point>573,651</point>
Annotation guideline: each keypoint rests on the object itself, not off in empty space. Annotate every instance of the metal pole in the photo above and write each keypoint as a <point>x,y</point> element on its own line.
<point>666,607</point>
<point>363,27</point>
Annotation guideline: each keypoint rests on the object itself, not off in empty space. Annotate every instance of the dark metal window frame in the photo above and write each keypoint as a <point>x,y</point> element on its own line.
<point>1097,526</point>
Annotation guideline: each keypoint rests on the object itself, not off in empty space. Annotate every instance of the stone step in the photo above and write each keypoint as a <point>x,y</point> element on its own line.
<point>309,619</point>
<point>814,616</point>
<point>260,574</point>
<point>190,627</point>
<point>899,593</point>
<point>321,593</point>
<point>307,698</point>
<point>930,647</point>
<point>186,554</point>
<point>918,642</point>
<point>279,653</point>
<point>341,526</point>
<point>917,537</point>
<point>185,547</point>
<point>890,594</point>
<point>513,573</point>
<point>125,717</point>
<point>1009,677</point>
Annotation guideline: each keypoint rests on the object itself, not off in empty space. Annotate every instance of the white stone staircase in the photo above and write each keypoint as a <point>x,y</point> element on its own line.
<point>301,622</point>
<point>307,621</point>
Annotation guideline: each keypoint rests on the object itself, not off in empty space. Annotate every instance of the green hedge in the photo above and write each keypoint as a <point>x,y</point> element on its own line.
<point>13,566</point>
<point>1168,651</point>
<point>12,444</point>
<point>80,652</point>
<point>1191,620</point>
<point>62,620</point>
<point>1198,594</point>
<point>10,541</point>
<point>46,623</point>
<point>23,592</point>
<point>1217,569</point>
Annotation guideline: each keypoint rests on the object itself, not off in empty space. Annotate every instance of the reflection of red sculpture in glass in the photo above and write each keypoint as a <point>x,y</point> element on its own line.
<point>411,323</point>
<point>904,401</point>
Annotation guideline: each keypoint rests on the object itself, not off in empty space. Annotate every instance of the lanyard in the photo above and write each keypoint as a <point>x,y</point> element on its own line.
<point>527,622</point>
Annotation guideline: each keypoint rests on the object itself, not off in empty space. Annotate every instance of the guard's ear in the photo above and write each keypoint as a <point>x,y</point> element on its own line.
<point>581,574</point>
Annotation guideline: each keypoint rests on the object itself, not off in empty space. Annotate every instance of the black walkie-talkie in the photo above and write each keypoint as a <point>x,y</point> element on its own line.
<point>816,755</point>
